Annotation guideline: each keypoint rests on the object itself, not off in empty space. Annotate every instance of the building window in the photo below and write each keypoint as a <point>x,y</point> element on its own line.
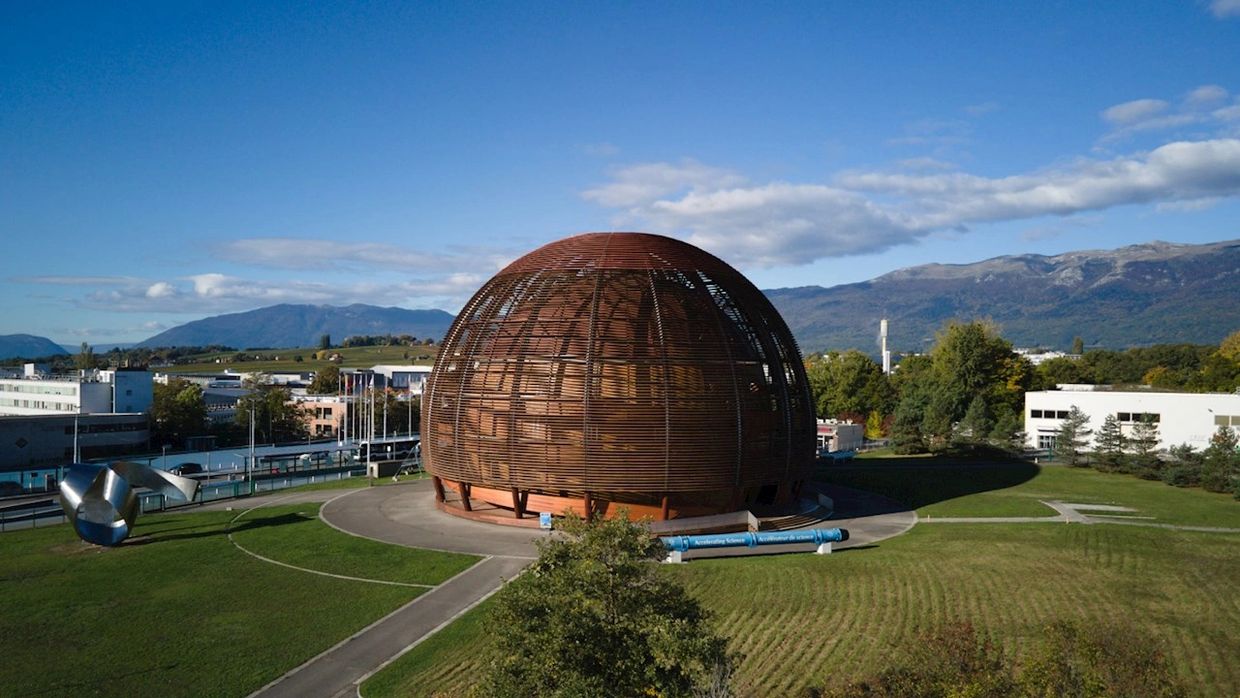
<point>1046,441</point>
<point>1061,414</point>
<point>1035,414</point>
<point>1125,416</point>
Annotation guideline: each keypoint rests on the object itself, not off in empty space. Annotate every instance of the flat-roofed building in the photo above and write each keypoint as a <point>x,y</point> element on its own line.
<point>1182,418</point>
<point>325,415</point>
<point>835,435</point>
<point>403,379</point>
<point>42,441</point>
<point>88,392</point>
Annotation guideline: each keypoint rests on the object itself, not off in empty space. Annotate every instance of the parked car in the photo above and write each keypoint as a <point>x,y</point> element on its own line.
<point>186,469</point>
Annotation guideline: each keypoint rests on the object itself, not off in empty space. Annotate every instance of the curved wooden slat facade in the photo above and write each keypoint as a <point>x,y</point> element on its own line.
<point>624,367</point>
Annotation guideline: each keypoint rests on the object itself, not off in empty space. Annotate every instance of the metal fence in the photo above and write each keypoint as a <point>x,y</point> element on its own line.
<point>46,511</point>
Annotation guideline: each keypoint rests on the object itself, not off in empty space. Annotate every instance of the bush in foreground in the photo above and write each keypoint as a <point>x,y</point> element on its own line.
<point>595,616</point>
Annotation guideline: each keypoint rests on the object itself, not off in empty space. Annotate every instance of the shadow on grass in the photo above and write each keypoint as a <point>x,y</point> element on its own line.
<point>915,482</point>
<point>221,529</point>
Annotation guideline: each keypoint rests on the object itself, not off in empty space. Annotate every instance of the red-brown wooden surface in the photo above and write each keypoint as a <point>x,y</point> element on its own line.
<point>622,363</point>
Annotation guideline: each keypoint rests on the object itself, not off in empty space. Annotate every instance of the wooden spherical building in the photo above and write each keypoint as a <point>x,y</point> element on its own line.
<point>611,370</point>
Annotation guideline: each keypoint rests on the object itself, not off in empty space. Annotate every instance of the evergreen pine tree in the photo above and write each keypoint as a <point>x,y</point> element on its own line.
<point>1110,444</point>
<point>1072,437</point>
<point>1144,446</point>
<point>977,422</point>
<point>1220,467</point>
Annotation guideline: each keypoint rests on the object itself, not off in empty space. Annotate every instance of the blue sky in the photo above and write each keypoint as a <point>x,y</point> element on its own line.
<point>161,162</point>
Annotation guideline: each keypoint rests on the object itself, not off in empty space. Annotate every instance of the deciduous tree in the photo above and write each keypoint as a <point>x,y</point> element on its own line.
<point>594,616</point>
<point>276,418</point>
<point>848,383</point>
<point>326,381</point>
<point>178,410</point>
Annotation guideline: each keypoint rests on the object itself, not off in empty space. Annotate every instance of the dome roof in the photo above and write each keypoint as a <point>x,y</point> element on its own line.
<point>618,363</point>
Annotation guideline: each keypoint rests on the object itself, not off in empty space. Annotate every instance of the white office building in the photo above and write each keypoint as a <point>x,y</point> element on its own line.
<point>1182,418</point>
<point>87,392</point>
<point>408,379</point>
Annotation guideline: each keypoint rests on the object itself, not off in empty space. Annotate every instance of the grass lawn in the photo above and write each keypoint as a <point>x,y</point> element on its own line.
<point>179,611</point>
<point>941,487</point>
<point>293,534</point>
<point>807,620</point>
<point>446,660</point>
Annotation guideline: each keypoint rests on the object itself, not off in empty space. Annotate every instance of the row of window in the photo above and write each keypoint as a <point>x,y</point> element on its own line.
<point>107,428</point>
<point>38,405</point>
<point>1125,417</point>
<point>1048,414</point>
<point>1223,420</point>
<point>38,388</point>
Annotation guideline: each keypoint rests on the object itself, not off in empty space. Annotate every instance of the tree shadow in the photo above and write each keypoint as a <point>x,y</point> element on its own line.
<point>219,530</point>
<point>869,487</point>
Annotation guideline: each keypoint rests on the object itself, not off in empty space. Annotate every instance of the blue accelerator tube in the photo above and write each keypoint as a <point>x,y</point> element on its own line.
<point>735,540</point>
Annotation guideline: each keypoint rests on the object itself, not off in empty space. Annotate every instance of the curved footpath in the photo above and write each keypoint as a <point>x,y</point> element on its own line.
<point>406,515</point>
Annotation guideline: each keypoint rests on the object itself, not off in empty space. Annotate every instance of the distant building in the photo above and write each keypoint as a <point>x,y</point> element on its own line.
<point>1038,356</point>
<point>122,390</point>
<point>835,435</point>
<point>1182,418</point>
<point>42,441</point>
<point>402,379</point>
<point>325,414</point>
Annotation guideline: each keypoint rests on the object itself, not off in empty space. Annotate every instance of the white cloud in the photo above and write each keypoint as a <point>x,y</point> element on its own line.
<point>161,289</point>
<point>1134,111</point>
<point>1206,95</point>
<point>305,253</point>
<point>213,292</point>
<point>639,184</point>
<point>1225,8</point>
<point>859,212</point>
<point>923,164</point>
<point>54,280</point>
<point>1198,109</point>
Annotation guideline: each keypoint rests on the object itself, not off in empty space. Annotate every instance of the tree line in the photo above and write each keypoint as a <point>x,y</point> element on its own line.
<point>1216,468</point>
<point>179,410</point>
<point>968,391</point>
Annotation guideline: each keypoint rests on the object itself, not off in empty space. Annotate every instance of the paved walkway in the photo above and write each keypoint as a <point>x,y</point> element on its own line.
<point>406,514</point>
<point>1068,512</point>
<point>403,514</point>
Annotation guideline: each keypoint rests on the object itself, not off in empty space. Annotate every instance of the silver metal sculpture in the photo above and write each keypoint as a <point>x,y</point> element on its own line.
<point>100,502</point>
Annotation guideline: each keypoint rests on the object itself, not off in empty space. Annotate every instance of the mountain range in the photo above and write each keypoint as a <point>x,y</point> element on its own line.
<point>27,346</point>
<point>1152,293</point>
<point>289,325</point>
